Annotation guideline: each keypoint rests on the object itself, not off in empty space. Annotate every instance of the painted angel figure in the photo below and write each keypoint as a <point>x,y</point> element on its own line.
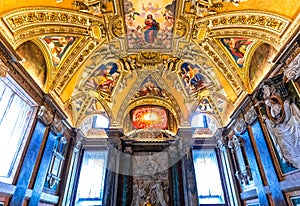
<point>150,8</point>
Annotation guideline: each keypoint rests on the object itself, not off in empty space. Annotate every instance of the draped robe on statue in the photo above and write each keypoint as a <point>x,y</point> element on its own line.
<point>286,135</point>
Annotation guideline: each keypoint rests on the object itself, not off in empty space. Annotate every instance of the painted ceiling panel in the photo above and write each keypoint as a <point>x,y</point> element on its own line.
<point>104,57</point>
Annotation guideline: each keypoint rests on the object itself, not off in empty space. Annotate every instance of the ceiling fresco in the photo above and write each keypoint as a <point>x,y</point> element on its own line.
<point>110,57</point>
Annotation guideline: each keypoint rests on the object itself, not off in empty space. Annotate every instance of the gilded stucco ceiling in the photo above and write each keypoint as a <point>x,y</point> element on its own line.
<point>96,56</point>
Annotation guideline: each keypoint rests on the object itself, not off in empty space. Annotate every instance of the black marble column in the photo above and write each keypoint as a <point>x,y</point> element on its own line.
<point>176,179</point>
<point>188,172</point>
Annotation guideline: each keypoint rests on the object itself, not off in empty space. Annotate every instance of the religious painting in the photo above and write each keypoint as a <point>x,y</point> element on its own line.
<point>204,106</point>
<point>149,24</point>
<point>149,87</point>
<point>33,61</point>
<point>104,78</point>
<point>237,47</point>
<point>220,103</point>
<point>192,78</point>
<point>260,63</point>
<point>78,102</point>
<point>150,117</point>
<point>94,107</point>
<point>58,46</point>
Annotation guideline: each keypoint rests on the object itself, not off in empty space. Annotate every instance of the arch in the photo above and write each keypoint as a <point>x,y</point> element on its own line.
<point>31,22</point>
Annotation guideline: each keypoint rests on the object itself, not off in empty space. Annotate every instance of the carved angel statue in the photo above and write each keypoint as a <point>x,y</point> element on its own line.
<point>283,123</point>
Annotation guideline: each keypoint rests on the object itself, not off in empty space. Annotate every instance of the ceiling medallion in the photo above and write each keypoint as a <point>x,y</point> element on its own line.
<point>149,57</point>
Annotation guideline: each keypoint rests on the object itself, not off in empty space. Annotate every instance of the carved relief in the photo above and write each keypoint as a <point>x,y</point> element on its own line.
<point>93,7</point>
<point>116,27</point>
<point>182,27</point>
<point>292,72</point>
<point>63,81</point>
<point>3,69</point>
<point>26,23</point>
<point>243,172</point>
<point>154,184</point>
<point>45,115</point>
<point>57,125</point>
<point>250,114</point>
<point>267,21</point>
<point>202,8</point>
<point>228,74</point>
<point>282,119</point>
<point>151,58</point>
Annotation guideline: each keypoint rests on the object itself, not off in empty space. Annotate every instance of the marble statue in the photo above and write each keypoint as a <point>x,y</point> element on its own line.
<point>283,123</point>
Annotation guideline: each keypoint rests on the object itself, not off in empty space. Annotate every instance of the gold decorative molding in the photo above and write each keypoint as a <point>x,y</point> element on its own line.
<point>252,20</point>
<point>64,77</point>
<point>3,69</point>
<point>181,27</point>
<point>151,58</point>
<point>116,27</point>
<point>22,18</point>
<point>291,30</point>
<point>27,23</point>
<point>169,103</point>
<point>264,36</point>
<point>229,73</point>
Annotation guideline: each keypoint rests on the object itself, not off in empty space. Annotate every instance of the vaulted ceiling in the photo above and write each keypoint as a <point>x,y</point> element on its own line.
<point>101,56</point>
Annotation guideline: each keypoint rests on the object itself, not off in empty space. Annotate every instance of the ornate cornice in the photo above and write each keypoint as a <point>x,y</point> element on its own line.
<point>3,68</point>
<point>45,115</point>
<point>229,74</point>
<point>257,20</point>
<point>69,67</point>
<point>23,24</point>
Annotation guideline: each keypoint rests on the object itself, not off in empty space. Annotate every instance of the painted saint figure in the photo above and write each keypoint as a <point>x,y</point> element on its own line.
<point>151,29</point>
<point>104,78</point>
<point>237,47</point>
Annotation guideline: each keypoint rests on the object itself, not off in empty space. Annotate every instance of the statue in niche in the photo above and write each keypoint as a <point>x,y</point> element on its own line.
<point>283,122</point>
<point>159,192</point>
<point>148,191</point>
<point>139,189</point>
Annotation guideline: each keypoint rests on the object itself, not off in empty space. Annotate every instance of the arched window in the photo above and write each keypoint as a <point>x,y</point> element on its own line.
<point>199,120</point>
<point>100,121</point>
